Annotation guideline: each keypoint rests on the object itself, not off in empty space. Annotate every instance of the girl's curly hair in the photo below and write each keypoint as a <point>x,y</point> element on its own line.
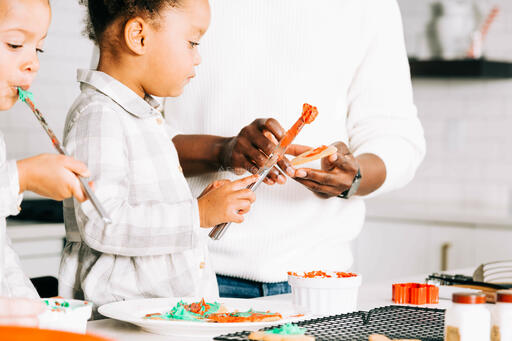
<point>102,13</point>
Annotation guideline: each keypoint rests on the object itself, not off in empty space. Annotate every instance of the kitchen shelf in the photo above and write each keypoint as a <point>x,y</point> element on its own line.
<point>464,68</point>
<point>41,210</point>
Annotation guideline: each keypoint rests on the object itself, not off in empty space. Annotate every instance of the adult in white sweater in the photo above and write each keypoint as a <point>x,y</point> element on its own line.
<point>266,58</point>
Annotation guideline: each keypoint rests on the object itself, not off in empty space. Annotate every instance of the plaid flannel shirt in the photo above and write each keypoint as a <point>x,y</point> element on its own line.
<point>13,282</point>
<point>154,247</point>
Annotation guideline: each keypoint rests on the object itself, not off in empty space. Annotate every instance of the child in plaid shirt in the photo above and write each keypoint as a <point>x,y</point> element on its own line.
<point>154,247</point>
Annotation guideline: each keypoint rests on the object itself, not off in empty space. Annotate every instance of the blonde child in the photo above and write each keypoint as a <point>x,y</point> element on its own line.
<point>155,247</point>
<point>23,28</point>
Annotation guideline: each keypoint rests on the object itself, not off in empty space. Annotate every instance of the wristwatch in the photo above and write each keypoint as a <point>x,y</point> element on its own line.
<point>353,189</point>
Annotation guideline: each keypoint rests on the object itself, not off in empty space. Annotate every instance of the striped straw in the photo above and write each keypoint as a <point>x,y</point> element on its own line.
<point>489,21</point>
<point>479,38</point>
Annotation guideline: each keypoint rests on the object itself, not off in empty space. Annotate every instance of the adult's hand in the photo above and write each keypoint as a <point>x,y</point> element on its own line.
<point>249,150</point>
<point>335,177</point>
<point>20,312</point>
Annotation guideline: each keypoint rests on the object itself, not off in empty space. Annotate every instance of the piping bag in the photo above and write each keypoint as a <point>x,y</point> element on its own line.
<point>309,113</point>
<point>28,98</point>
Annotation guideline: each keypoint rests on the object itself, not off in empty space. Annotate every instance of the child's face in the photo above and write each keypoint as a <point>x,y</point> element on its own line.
<point>23,27</point>
<point>173,53</point>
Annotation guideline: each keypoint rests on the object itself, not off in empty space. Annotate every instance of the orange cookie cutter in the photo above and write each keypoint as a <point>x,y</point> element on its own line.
<point>415,293</point>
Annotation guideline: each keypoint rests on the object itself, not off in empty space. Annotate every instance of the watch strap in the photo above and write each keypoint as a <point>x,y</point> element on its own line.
<point>349,192</point>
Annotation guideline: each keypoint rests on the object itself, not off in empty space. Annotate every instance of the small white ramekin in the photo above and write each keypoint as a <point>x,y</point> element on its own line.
<point>326,296</point>
<point>70,319</point>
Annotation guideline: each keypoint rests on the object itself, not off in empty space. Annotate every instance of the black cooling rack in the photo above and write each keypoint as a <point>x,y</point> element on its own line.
<point>396,322</point>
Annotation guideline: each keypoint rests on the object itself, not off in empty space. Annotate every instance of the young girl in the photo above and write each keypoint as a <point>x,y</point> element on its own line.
<point>154,247</point>
<point>23,27</point>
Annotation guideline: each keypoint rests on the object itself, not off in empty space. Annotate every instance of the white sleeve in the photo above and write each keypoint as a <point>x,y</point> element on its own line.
<point>18,284</point>
<point>10,198</point>
<point>12,277</point>
<point>382,117</point>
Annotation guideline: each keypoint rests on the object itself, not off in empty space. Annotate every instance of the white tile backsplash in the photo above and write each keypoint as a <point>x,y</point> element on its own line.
<point>467,125</point>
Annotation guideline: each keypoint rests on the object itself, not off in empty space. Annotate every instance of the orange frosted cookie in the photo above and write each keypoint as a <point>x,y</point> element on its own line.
<point>246,316</point>
<point>314,154</point>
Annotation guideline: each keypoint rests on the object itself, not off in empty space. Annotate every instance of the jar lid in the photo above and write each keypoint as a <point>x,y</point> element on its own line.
<point>469,298</point>
<point>504,296</point>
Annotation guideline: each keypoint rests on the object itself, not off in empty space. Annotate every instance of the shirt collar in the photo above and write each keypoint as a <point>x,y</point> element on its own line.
<point>119,93</point>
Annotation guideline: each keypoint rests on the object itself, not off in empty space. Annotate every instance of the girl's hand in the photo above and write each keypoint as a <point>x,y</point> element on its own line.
<point>52,176</point>
<point>225,201</point>
<point>20,312</point>
<point>214,185</point>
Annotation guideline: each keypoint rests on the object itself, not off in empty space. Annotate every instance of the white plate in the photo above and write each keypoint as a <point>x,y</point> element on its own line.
<point>133,312</point>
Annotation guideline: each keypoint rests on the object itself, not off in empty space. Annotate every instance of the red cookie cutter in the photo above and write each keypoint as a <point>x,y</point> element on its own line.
<point>415,293</point>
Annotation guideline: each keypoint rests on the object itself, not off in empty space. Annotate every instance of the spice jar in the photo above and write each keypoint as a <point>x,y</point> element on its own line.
<point>502,317</point>
<point>468,319</point>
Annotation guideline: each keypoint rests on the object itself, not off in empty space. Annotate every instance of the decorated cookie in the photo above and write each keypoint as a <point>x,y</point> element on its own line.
<point>212,312</point>
<point>245,316</point>
<point>286,332</point>
<point>189,312</point>
<point>314,154</point>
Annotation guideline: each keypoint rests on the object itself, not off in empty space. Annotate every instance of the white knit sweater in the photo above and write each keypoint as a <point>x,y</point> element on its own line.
<point>265,58</point>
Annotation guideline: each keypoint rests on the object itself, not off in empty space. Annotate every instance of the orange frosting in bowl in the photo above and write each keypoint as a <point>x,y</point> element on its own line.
<point>323,274</point>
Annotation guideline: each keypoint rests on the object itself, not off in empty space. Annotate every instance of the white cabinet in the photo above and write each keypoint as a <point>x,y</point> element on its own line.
<point>393,248</point>
<point>39,247</point>
<point>493,244</point>
<point>460,247</point>
<point>389,249</point>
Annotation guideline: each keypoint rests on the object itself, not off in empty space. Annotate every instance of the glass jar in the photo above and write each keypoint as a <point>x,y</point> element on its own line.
<point>455,27</point>
<point>468,319</point>
<point>502,317</point>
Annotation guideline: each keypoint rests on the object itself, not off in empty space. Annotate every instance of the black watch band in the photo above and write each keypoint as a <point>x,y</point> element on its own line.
<point>353,189</point>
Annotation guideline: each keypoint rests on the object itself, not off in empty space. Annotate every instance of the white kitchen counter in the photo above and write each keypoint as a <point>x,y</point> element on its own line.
<point>370,296</point>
